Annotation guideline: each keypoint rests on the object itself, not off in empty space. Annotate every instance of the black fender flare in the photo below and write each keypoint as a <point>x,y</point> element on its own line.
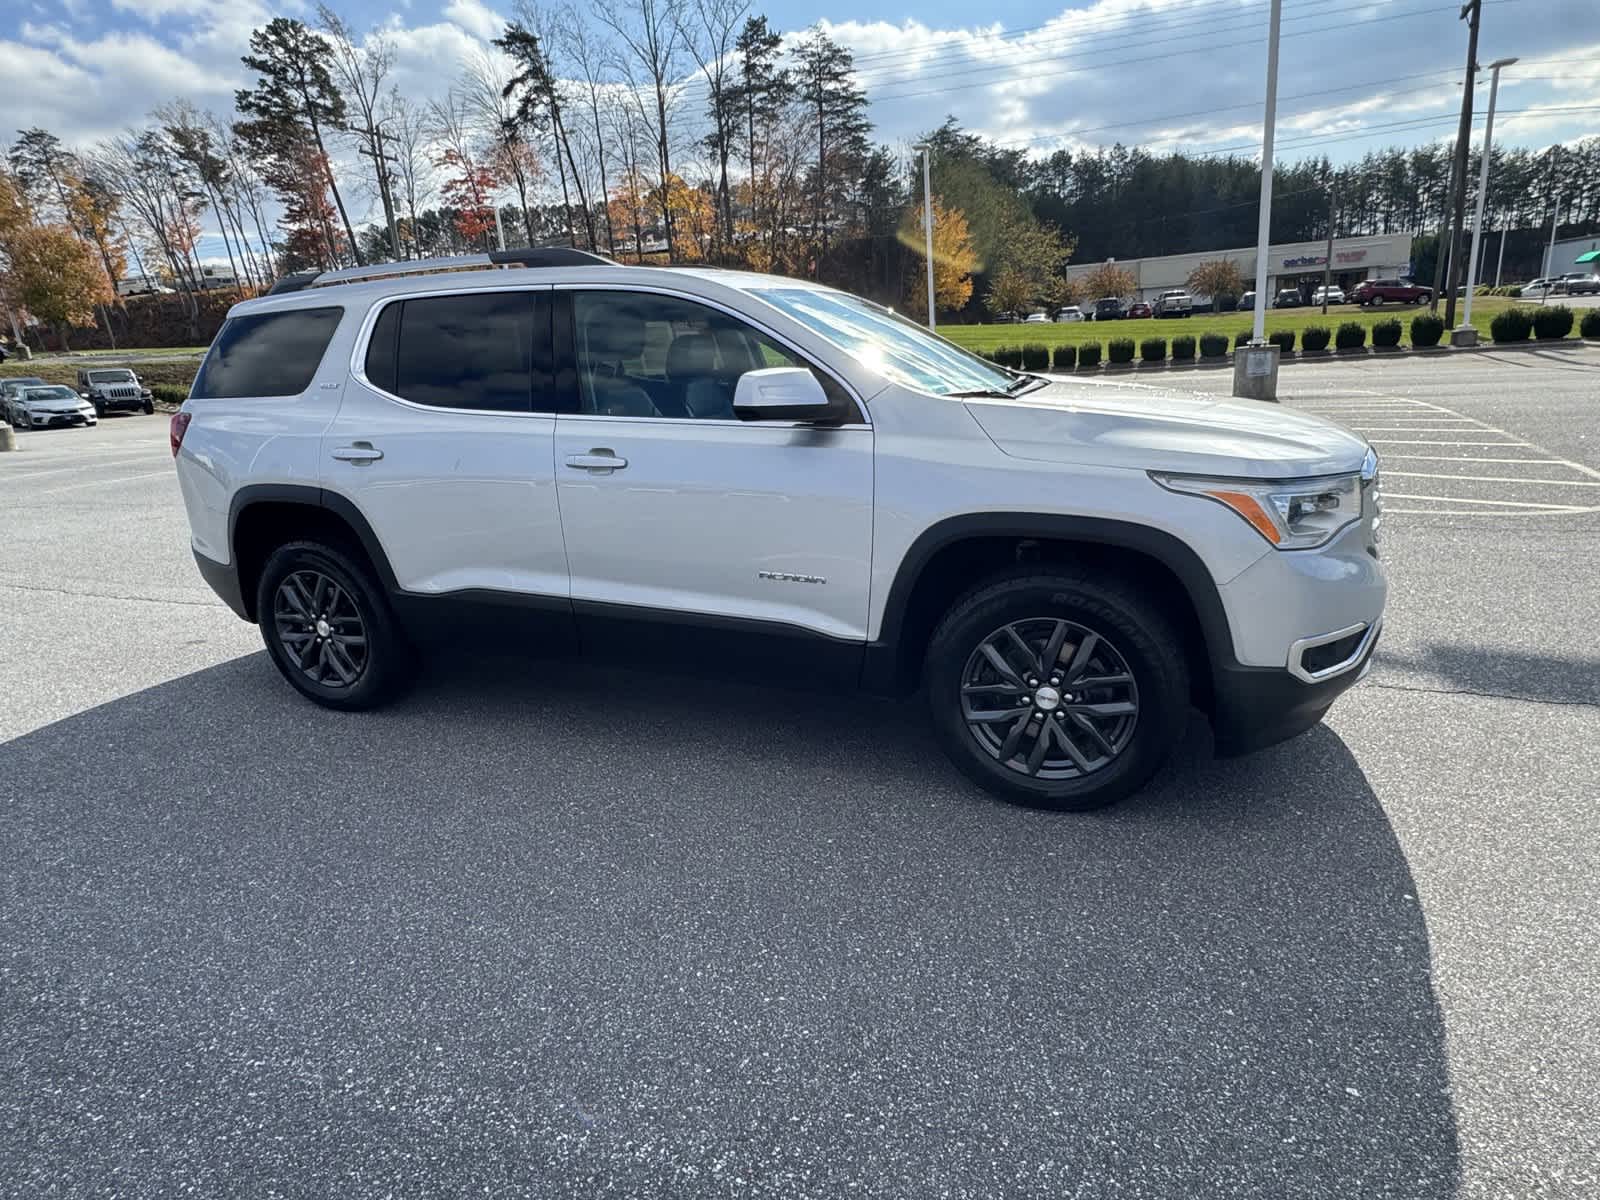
<point>312,497</point>
<point>883,660</point>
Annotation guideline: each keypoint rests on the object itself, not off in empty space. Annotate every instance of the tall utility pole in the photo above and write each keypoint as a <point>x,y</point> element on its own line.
<point>381,160</point>
<point>1327,261</point>
<point>1470,12</point>
<point>1441,251</point>
<point>1483,189</point>
<point>927,229</point>
<point>1258,333</point>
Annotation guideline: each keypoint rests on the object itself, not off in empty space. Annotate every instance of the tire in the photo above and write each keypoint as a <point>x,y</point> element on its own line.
<point>99,411</point>
<point>1136,655</point>
<point>1376,302</point>
<point>148,407</point>
<point>382,663</point>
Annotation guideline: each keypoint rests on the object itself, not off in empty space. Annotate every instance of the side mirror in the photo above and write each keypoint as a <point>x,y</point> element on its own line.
<point>781,394</point>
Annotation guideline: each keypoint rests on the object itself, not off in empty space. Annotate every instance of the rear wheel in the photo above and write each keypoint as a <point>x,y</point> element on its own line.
<point>327,625</point>
<point>1057,690</point>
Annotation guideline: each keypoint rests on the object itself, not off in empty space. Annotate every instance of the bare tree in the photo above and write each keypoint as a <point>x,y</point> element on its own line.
<point>712,37</point>
<point>588,56</point>
<point>408,139</point>
<point>360,67</point>
<point>649,30</point>
<point>484,88</point>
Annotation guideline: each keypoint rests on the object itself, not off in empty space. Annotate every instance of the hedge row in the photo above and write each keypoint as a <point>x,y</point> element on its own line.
<point>1512,325</point>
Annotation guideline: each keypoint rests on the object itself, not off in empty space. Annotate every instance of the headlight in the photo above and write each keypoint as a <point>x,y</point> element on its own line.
<point>1294,514</point>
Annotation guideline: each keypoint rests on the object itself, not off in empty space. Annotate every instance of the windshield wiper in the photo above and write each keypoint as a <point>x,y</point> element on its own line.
<point>992,393</point>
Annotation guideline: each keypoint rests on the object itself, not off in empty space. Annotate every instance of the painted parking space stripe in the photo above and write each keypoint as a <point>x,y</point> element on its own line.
<point>1418,439</point>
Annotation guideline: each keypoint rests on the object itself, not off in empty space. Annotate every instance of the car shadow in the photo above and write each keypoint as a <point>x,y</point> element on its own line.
<point>1521,675</point>
<point>543,929</point>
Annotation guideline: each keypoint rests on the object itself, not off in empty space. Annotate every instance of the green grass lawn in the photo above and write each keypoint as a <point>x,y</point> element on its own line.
<point>57,368</point>
<point>988,337</point>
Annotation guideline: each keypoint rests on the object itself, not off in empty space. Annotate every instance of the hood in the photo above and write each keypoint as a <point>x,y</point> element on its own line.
<point>1115,423</point>
<point>53,406</point>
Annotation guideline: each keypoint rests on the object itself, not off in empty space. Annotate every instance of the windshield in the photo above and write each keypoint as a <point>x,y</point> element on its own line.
<point>888,343</point>
<point>110,376</point>
<point>50,393</point>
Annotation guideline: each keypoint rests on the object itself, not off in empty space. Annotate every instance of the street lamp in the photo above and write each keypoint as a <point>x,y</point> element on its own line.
<point>1461,335</point>
<point>1255,367</point>
<point>927,226</point>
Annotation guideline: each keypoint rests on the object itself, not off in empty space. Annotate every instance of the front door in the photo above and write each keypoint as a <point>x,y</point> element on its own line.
<point>674,509</point>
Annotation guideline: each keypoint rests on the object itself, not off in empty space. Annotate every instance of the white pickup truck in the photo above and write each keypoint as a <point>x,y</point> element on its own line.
<point>1174,303</point>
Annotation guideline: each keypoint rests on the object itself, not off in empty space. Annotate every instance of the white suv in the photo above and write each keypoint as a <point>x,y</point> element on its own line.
<point>738,469</point>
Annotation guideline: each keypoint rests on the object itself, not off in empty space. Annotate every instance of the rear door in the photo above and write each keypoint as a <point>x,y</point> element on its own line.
<point>443,441</point>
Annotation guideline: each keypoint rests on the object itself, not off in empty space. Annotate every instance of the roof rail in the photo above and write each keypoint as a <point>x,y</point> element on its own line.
<point>527,256</point>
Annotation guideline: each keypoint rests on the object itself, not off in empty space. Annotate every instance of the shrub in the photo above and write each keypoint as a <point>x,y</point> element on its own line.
<point>1213,345</point>
<point>1120,350</point>
<point>1183,347</point>
<point>1426,330</point>
<point>168,393</point>
<point>991,353</point>
<point>1153,349</point>
<point>1008,356</point>
<point>1552,322</point>
<point>1315,337</point>
<point>1590,325</point>
<point>1066,357</point>
<point>1283,340</point>
<point>1386,333</point>
<point>1515,292</point>
<point>1352,335</point>
<point>1036,357</point>
<point>1089,354</point>
<point>1241,338</point>
<point>1512,325</point>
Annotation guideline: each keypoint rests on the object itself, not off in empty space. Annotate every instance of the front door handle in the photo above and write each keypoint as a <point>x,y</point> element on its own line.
<point>599,461</point>
<point>359,453</point>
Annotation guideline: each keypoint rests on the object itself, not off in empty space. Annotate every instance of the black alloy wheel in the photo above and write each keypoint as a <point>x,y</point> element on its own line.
<point>328,626</point>
<point>1057,689</point>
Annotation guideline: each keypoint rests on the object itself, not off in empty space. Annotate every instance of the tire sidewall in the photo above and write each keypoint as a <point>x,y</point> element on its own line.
<point>385,650</point>
<point>1139,633</point>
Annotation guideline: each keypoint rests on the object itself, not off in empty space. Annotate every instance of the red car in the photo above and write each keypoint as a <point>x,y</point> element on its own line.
<point>1390,291</point>
<point>1137,309</point>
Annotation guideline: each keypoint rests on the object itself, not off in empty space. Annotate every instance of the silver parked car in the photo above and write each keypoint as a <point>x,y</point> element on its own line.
<point>49,405</point>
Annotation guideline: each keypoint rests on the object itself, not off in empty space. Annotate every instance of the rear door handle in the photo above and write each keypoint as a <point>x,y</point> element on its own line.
<point>359,453</point>
<point>599,461</point>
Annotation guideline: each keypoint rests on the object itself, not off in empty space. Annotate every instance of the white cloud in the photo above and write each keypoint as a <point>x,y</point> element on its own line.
<point>476,18</point>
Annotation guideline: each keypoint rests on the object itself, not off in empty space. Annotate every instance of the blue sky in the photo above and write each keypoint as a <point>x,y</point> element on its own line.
<point>1356,74</point>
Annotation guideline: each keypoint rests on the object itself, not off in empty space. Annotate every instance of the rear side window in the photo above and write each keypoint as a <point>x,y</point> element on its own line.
<point>266,354</point>
<point>469,351</point>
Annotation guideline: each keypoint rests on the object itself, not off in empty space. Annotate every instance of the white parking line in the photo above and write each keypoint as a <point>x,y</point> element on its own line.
<point>1459,459</point>
<point>1490,503</point>
<point>1427,442</point>
<point>1489,478</point>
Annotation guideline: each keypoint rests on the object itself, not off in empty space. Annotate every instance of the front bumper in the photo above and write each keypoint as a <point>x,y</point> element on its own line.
<point>118,403</point>
<point>1255,707</point>
<point>58,420</point>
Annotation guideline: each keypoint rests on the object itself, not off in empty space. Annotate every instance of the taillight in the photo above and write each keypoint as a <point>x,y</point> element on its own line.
<point>179,426</point>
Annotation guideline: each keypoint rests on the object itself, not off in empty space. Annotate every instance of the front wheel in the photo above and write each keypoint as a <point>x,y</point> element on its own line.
<point>1057,690</point>
<point>327,625</point>
<point>148,407</point>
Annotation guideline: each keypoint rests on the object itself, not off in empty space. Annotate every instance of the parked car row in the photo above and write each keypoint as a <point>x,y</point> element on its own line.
<point>1573,284</point>
<point>29,402</point>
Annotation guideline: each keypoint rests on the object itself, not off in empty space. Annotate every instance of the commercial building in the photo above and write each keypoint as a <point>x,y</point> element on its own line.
<point>1295,264</point>
<point>1564,257</point>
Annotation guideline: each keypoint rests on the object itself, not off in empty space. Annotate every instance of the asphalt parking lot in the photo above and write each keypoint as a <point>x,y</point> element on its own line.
<point>548,931</point>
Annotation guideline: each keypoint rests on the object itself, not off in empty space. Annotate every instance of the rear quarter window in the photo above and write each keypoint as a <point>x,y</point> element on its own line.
<point>267,354</point>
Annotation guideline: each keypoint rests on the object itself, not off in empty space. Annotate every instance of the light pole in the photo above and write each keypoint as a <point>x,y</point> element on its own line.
<point>1483,189</point>
<point>927,227</point>
<point>1255,367</point>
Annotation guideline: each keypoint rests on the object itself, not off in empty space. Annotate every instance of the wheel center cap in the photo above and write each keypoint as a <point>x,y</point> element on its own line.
<point>323,628</point>
<point>1047,699</point>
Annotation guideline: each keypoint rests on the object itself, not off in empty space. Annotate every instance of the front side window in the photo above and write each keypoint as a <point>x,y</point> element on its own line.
<point>887,343</point>
<point>645,355</point>
<point>266,354</point>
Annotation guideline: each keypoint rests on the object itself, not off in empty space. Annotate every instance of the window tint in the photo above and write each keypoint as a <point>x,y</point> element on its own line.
<point>267,354</point>
<point>381,348</point>
<point>644,355</point>
<point>472,351</point>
